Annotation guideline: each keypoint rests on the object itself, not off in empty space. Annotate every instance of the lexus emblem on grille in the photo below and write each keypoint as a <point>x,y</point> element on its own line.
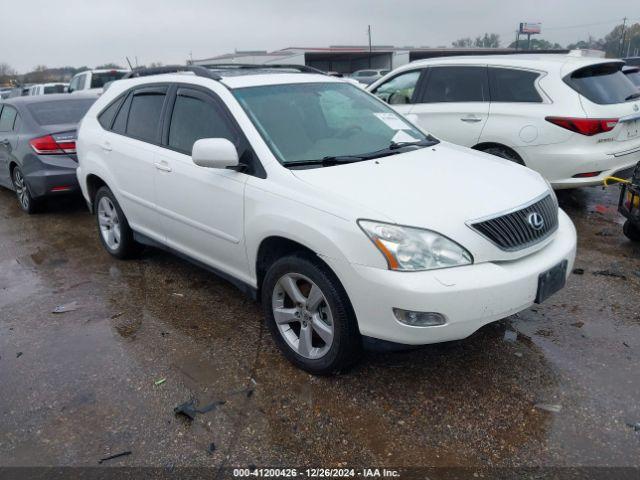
<point>536,221</point>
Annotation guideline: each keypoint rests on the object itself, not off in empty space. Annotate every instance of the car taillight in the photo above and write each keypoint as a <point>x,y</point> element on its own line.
<point>585,126</point>
<point>56,144</point>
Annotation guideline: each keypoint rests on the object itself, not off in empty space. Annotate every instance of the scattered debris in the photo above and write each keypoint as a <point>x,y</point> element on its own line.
<point>164,334</point>
<point>189,409</point>
<point>518,354</point>
<point>549,407</point>
<point>68,307</point>
<point>116,315</point>
<point>604,233</point>
<point>578,324</point>
<point>211,448</point>
<point>510,336</point>
<point>626,344</point>
<point>18,355</point>
<point>117,455</point>
<point>160,382</point>
<point>578,271</point>
<point>177,294</point>
<point>610,273</point>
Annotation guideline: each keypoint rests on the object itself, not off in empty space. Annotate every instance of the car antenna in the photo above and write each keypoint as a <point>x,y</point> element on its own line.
<point>130,66</point>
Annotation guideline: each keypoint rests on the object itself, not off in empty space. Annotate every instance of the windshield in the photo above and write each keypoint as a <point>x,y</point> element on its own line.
<point>312,121</point>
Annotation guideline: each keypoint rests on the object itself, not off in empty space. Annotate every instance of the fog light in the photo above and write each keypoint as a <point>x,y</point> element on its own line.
<point>419,319</point>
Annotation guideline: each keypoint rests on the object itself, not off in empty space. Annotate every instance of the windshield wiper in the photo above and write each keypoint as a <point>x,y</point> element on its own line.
<point>632,96</point>
<point>392,149</point>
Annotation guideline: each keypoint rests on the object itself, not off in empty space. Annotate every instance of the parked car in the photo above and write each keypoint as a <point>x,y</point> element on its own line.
<point>575,120</point>
<point>368,76</point>
<point>5,93</point>
<point>94,80</point>
<point>48,88</point>
<point>633,74</point>
<point>635,61</point>
<point>37,146</point>
<point>312,195</point>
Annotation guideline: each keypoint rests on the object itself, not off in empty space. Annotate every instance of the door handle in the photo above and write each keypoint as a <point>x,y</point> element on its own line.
<point>106,147</point>
<point>162,166</point>
<point>471,119</point>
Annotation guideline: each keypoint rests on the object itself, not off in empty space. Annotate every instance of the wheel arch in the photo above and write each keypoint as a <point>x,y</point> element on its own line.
<point>482,146</point>
<point>94,183</point>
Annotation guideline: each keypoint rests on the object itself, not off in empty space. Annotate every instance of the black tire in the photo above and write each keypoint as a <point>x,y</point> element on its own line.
<point>346,345</point>
<point>27,203</point>
<point>505,153</point>
<point>126,246</point>
<point>631,230</point>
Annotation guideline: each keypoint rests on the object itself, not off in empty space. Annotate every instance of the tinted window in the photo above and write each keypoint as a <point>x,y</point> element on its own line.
<point>509,85</point>
<point>399,89</point>
<point>7,118</point>
<point>602,84</point>
<point>456,84</point>
<point>99,79</point>
<point>634,76</point>
<point>120,123</point>
<point>108,114</point>
<point>144,116</point>
<point>54,89</point>
<point>194,118</point>
<point>60,111</point>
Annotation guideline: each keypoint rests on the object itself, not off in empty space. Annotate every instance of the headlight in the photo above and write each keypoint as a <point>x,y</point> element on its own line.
<point>410,249</point>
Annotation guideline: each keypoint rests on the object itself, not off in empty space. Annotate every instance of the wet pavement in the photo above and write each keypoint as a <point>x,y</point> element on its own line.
<point>79,386</point>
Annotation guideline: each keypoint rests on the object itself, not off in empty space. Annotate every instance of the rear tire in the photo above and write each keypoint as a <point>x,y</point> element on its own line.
<point>113,228</point>
<point>27,203</point>
<point>315,328</point>
<point>631,231</point>
<point>505,153</point>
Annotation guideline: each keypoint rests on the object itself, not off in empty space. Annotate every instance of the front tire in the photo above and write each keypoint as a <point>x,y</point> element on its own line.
<point>113,228</point>
<point>310,316</point>
<point>25,200</point>
<point>631,230</point>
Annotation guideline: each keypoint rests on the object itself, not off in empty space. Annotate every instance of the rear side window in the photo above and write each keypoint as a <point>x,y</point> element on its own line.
<point>98,80</point>
<point>508,85</point>
<point>456,84</point>
<point>399,89</point>
<point>603,84</point>
<point>60,111</point>
<point>144,115</point>
<point>7,118</point>
<point>195,116</point>
<point>634,76</point>
<point>54,89</point>
<point>108,114</point>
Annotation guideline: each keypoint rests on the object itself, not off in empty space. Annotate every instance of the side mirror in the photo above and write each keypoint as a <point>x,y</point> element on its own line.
<point>215,153</point>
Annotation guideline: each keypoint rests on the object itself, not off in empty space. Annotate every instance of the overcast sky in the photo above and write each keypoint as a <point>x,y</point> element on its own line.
<point>91,32</point>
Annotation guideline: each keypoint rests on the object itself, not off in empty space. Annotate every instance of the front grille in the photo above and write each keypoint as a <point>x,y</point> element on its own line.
<point>515,230</point>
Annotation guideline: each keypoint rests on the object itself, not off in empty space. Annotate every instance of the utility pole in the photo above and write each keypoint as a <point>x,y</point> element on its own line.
<point>369,35</point>
<point>622,37</point>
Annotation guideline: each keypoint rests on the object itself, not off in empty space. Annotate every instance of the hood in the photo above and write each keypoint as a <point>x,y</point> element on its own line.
<point>439,188</point>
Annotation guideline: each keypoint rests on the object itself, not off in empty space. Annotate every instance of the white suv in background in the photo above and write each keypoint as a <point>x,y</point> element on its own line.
<point>95,80</point>
<point>315,197</point>
<point>574,119</point>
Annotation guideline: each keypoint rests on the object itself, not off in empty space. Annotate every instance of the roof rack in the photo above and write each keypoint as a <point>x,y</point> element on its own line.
<point>265,66</point>
<point>196,69</point>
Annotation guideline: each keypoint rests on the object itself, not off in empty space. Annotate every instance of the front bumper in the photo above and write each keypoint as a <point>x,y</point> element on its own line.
<point>469,297</point>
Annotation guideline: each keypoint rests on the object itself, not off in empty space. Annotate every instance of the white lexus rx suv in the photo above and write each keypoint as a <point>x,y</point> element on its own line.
<point>575,120</point>
<point>346,221</point>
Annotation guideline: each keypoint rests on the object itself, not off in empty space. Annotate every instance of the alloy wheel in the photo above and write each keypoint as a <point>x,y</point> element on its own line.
<point>21,189</point>
<point>302,315</point>
<point>109,222</point>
